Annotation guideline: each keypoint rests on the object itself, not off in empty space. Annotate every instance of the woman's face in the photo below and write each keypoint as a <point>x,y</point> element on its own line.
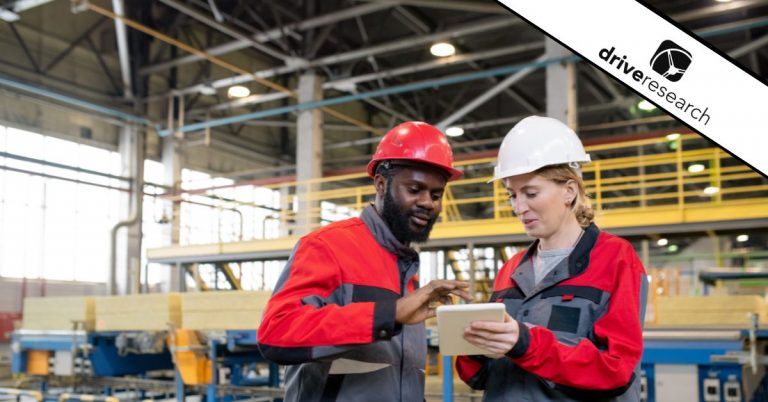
<point>542,205</point>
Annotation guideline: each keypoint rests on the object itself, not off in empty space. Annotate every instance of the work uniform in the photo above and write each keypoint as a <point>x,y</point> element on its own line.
<point>332,316</point>
<point>580,326</point>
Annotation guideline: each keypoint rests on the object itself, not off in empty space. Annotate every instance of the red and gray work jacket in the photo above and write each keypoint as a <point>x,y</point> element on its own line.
<point>332,316</point>
<point>580,327</point>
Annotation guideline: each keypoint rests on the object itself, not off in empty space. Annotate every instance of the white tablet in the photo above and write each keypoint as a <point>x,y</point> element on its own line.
<point>452,319</point>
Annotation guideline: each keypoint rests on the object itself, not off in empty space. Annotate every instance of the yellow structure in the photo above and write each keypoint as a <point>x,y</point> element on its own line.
<point>661,192</point>
<point>190,358</point>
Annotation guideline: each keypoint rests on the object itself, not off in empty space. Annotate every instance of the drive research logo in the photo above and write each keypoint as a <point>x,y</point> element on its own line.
<point>672,68</point>
<point>671,60</point>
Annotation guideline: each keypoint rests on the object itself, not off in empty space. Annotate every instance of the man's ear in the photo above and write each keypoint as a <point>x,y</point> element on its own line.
<point>380,183</point>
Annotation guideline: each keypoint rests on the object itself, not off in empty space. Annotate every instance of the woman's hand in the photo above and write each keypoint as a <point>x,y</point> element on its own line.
<point>497,338</point>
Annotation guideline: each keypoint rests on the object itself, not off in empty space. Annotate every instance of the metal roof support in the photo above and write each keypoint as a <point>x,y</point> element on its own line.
<point>225,29</point>
<point>496,89</point>
<point>455,79</point>
<point>468,29</point>
<point>273,34</point>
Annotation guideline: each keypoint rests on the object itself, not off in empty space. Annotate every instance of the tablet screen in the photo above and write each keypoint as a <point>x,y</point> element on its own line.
<point>452,319</point>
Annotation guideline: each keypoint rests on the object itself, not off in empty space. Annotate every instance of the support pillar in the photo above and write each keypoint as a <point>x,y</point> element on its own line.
<point>172,159</point>
<point>126,275</point>
<point>561,86</point>
<point>309,152</point>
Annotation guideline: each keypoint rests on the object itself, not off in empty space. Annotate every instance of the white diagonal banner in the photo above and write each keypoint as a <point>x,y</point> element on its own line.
<point>665,65</point>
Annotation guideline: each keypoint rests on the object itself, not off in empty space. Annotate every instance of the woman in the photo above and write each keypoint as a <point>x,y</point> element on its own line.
<point>574,298</point>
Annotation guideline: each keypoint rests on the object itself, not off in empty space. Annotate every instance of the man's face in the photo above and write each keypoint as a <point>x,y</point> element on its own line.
<point>412,202</point>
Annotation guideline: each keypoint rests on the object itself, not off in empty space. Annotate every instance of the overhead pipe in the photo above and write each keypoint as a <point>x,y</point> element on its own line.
<point>137,191</point>
<point>122,49</point>
<point>8,82</point>
<point>371,94</point>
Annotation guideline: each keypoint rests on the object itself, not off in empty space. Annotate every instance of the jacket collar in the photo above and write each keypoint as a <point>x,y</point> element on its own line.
<point>384,236</point>
<point>578,260</point>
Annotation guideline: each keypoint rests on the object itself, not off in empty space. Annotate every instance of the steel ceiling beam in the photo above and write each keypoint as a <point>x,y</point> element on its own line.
<point>496,89</point>
<point>227,30</point>
<point>467,29</point>
<point>273,34</point>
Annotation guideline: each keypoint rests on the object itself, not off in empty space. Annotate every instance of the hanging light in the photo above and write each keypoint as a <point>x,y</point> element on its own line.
<point>673,137</point>
<point>662,242</point>
<point>696,168</point>
<point>711,190</point>
<point>454,131</point>
<point>742,238</point>
<point>645,105</point>
<point>442,49</point>
<point>238,91</point>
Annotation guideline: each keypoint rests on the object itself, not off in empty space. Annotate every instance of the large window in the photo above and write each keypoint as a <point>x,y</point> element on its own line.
<point>55,228</point>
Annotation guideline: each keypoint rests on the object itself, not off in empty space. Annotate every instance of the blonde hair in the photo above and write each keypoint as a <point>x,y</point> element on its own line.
<point>581,205</point>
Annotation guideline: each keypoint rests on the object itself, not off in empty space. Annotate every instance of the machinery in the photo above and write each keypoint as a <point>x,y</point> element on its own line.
<point>137,365</point>
<point>705,365</point>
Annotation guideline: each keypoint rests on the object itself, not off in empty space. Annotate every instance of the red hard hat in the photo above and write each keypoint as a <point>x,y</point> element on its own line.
<point>418,142</point>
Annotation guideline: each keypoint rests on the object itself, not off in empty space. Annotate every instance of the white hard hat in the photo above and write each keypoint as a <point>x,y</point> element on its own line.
<point>536,142</point>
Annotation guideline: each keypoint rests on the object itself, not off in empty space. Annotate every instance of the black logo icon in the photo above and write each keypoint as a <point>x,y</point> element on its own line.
<point>671,60</point>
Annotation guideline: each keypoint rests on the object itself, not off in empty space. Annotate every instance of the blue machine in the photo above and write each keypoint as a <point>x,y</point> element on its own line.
<point>113,354</point>
<point>704,365</point>
<point>73,351</point>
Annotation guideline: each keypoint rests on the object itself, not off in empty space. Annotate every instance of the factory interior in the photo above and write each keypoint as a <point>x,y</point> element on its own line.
<point>160,160</point>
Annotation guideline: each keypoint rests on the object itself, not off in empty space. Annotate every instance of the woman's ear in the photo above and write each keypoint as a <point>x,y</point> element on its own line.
<point>571,192</point>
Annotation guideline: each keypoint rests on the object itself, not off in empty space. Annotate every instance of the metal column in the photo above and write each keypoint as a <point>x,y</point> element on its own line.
<point>309,151</point>
<point>172,159</point>
<point>561,86</point>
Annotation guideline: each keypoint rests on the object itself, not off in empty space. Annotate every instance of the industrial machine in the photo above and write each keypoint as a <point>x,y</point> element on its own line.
<point>217,365</point>
<point>705,365</point>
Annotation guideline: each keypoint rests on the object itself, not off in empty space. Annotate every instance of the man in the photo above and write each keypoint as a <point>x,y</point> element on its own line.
<point>347,313</point>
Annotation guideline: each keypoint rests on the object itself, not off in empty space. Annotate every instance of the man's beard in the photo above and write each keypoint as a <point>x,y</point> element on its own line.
<point>398,220</point>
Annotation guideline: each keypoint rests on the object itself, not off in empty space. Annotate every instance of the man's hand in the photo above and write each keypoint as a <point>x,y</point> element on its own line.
<point>415,307</point>
<point>497,338</point>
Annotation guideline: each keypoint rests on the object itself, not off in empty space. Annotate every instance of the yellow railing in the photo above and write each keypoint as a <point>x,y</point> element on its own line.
<point>625,176</point>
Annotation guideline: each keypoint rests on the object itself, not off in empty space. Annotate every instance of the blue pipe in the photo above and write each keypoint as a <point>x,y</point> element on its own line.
<point>447,379</point>
<point>77,102</point>
<point>371,94</point>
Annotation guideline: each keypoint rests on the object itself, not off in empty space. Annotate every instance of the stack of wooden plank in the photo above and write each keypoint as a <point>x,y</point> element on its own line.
<point>144,312</point>
<point>223,310</point>
<point>58,313</point>
<point>726,310</point>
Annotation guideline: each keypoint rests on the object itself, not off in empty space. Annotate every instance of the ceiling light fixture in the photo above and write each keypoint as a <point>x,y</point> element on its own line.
<point>696,168</point>
<point>442,49</point>
<point>238,91</point>
<point>742,238</point>
<point>8,15</point>
<point>454,131</point>
<point>711,190</point>
<point>662,242</point>
<point>673,137</point>
<point>646,106</point>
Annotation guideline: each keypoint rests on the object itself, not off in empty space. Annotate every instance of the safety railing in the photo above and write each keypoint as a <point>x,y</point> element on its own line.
<point>624,176</point>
